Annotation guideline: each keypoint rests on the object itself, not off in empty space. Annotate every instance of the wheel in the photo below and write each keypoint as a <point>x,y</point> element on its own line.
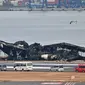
<point>27,70</point>
<point>56,70</point>
<point>22,70</point>
<point>5,70</point>
<point>15,69</point>
<point>50,70</point>
<point>83,71</point>
<point>1,70</point>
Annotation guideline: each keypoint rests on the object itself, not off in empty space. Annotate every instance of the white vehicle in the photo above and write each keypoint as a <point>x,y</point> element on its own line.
<point>23,66</point>
<point>57,68</point>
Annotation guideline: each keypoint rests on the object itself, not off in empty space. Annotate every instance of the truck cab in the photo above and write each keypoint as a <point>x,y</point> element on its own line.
<point>80,68</point>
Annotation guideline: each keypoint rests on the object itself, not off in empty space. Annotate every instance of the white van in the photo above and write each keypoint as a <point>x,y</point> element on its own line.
<point>23,66</point>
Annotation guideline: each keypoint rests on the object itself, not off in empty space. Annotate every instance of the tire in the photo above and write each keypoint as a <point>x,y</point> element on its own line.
<point>5,70</point>
<point>83,71</point>
<point>22,70</point>
<point>15,69</point>
<point>27,70</point>
<point>1,70</point>
<point>50,70</point>
<point>58,70</point>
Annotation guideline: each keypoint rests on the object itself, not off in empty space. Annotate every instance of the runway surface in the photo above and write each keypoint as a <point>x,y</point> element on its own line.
<point>42,83</point>
<point>43,66</point>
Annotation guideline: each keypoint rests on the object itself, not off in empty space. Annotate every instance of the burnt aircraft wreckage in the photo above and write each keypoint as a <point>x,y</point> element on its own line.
<point>20,50</point>
<point>13,51</point>
<point>66,51</point>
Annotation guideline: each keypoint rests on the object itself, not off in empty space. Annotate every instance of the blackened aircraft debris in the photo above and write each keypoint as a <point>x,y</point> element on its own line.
<point>20,50</point>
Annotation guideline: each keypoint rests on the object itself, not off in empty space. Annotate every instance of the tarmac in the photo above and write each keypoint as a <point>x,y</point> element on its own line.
<point>42,83</point>
<point>42,66</point>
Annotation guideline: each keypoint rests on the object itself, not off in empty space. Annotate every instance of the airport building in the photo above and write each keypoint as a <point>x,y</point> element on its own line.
<point>44,3</point>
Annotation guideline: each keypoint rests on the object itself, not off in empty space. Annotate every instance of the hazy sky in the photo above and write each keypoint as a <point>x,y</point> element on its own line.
<point>43,27</point>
